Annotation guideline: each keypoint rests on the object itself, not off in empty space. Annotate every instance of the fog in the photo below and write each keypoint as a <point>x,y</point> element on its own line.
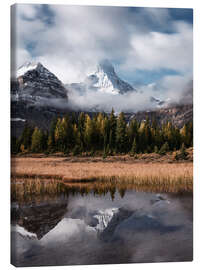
<point>169,91</point>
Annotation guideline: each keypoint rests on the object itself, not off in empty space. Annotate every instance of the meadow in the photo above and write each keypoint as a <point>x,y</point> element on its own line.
<point>93,173</point>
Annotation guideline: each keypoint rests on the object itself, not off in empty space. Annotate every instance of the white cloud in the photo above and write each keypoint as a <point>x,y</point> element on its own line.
<point>155,50</point>
<point>170,89</point>
<point>81,36</point>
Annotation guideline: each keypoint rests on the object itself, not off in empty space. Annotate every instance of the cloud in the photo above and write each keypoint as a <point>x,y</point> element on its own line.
<point>81,36</point>
<point>170,89</point>
<point>70,40</point>
<point>156,50</point>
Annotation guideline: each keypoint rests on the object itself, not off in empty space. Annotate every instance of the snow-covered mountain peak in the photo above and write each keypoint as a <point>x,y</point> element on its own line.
<point>27,66</point>
<point>106,80</point>
<point>35,82</point>
<point>31,66</point>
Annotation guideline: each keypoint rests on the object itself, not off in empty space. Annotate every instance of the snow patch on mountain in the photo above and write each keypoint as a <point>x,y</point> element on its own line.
<point>23,232</point>
<point>35,83</point>
<point>18,119</point>
<point>104,217</point>
<point>106,80</point>
<point>26,67</point>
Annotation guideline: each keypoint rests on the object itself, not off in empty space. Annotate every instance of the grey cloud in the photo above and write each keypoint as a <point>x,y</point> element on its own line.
<point>171,89</point>
<point>81,36</point>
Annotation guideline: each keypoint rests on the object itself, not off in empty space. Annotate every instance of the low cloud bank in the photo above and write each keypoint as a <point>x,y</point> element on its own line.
<point>178,91</point>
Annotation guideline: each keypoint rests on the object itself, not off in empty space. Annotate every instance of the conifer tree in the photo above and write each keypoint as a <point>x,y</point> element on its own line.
<point>15,145</point>
<point>164,149</point>
<point>81,128</point>
<point>112,127</point>
<point>51,137</point>
<point>142,140</point>
<point>132,131</point>
<point>134,147</point>
<point>183,152</point>
<point>121,135</point>
<point>88,132</point>
<point>156,150</point>
<point>60,134</point>
<point>26,137</point>
<point>37,141</point>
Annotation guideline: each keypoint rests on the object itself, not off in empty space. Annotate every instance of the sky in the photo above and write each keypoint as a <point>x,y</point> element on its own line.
<point>151,48</point>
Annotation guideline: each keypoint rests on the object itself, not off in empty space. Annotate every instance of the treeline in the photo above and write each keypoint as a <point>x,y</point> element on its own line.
<point>103,133</point>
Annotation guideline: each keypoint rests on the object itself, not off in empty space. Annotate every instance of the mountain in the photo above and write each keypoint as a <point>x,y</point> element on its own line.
<point>37,96</point>
<point>178,115</point>
<point>35,84</point>
<point>103,79</point>
<point>37,219</point>
<point>159,103</point>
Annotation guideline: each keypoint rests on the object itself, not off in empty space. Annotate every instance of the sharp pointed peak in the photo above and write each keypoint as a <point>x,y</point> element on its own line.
<point>106,66</point>
<point>28,65</point>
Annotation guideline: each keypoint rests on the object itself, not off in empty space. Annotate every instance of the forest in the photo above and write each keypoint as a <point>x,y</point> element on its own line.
<point>103,134</point>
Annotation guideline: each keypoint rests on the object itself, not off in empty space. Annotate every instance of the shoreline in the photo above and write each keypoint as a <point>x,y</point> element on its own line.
<point>87,157</point>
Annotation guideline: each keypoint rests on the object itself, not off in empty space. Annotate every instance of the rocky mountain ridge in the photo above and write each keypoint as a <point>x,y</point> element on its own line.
<point>104,79</point>
<point>38,96</point>
<point>34,83</point>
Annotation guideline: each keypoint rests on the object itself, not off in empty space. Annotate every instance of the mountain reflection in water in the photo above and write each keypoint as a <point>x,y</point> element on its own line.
<point>72,226</point>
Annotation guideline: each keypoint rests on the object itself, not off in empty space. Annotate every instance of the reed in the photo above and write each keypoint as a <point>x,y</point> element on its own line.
<point>167,177</point>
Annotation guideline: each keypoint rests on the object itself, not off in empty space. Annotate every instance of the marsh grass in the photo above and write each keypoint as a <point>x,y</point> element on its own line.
<point>98,177</point>
<point>34,190</point>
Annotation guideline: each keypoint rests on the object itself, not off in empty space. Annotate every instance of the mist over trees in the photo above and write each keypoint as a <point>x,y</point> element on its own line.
<point>103,134</point>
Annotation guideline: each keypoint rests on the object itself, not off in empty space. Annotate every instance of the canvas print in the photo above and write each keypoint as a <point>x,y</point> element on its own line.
<point>101,135</point>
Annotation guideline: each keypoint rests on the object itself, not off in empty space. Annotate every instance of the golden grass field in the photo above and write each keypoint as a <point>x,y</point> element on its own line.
<point>155,176</point>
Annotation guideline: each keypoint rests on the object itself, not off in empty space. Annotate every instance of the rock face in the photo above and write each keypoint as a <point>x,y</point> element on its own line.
<point>178,115</point>
<point>35,82</point>
<point>104,217</point>
<point>160,103</point>
<point>37,96</point>
<point>39,219</point>
<point>105,80</point>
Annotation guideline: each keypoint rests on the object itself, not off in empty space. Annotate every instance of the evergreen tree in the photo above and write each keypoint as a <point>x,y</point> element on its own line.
<point>88,132</point>
<point>60,134</point>
<point>156,150</point>
<point>164,149</point>
<point>83,133</point>
<point>81,128</point>
<point>183,152</point>
<point>112,127</point>
<point>121,135</point>
<point>142,140</point>
<point>51,138</point>
<point>134,147</point>
<point>26,137</point>
<point>15,145</point>
<point>70,138</point>
<point>132,131</point>
<point>187,134</point>
<point>37,141</point>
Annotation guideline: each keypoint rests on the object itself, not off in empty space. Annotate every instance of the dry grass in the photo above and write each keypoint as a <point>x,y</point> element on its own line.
<point>157,176</point>
<point>98,157</point>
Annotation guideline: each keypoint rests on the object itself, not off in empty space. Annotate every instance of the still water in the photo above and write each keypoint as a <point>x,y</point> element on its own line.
<point>74,228</point>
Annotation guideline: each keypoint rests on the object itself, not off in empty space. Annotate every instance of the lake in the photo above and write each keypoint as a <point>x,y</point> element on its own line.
<point>71,227</point>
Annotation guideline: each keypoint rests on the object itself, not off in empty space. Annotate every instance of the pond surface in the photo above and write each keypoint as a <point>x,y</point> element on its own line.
<point>131,227</point>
